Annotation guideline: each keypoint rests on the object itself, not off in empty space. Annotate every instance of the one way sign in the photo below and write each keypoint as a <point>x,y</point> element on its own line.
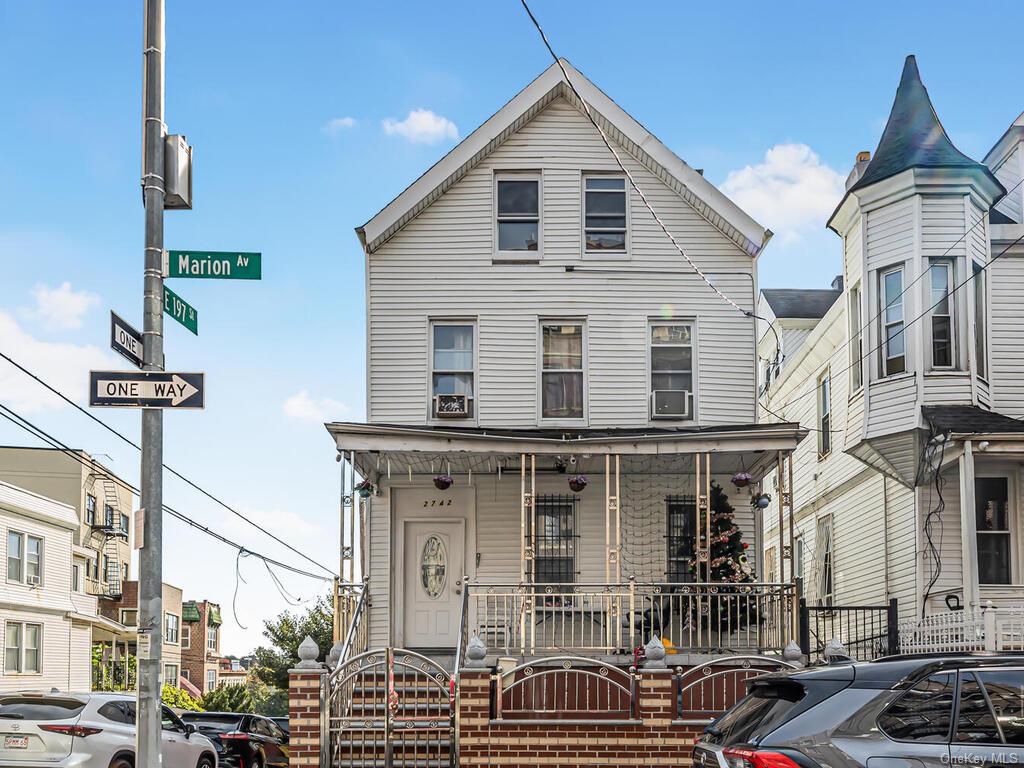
<point>146,389</point>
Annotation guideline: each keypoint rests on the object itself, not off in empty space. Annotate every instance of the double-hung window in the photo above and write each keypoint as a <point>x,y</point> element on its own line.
<point>186,636</point>
<point>671,347</point>
<point>171,626</point>
<point>108,516</point>
<point>825,561</point>
<point>856,341</point>
<point>518,215</point>
<point>211,679</point>
<point>452,371</point>
<point>992,522</point>
<point>824,415</point>
<point>23,648</point>
<point>211,639</point>
<point>894,351</point>
<point>90,509</point>
<point>943,350</point>
<point>124,522</point>
<point>980,322</point>
<point>24,558</point>
<point>554,539</point>
<point>562,370</point>
<point>604,214</point>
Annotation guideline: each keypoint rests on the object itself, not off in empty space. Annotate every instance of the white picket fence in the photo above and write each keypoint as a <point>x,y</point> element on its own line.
<point>972,629</point>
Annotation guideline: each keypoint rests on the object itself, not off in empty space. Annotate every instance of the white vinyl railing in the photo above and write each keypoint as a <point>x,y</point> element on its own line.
<point>972,629</point>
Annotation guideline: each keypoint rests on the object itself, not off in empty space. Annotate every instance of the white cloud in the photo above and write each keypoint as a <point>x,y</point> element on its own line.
<point>302,407</point>
<point>422,126</point>
<point>336,125</point>
<point>65,366</point>
<point>61,308</point>
<point>791,192</point>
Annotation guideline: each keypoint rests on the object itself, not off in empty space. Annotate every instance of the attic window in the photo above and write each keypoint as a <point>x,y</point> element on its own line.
<point>604,227</point>
<point>518,215</point>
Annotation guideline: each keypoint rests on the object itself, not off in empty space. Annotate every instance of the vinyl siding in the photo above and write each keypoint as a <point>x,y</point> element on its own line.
<point>890,234</point>
<point>64,647</point>
<point>1009,173</point>
<point>1006,287</point>
<point>893,405</point>
<point>441,265</point>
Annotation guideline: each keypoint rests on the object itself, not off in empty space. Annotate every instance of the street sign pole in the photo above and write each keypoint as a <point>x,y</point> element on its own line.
<point>150,607</point>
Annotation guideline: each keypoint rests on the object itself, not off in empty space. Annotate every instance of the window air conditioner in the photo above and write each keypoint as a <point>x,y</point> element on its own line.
<point>33,580</point>
<point>451,406</point>
<point>670,404</point>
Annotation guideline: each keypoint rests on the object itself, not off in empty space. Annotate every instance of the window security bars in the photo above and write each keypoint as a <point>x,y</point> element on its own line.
<point>554,539</point>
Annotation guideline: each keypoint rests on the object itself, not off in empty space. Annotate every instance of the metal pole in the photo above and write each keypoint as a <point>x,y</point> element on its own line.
<point>147,747</point>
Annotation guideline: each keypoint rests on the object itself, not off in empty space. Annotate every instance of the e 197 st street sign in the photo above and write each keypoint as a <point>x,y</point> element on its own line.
<point>224,265</point>
<point>181,310</point>
<point>146,389</point>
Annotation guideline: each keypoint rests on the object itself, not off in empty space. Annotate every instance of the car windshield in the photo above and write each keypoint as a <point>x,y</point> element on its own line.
<point>214,724</point>
<point>38,708</point>
<point>766,707</point>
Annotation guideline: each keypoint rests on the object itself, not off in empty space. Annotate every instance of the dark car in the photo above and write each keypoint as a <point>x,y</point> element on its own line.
<point>901,711</point>
<point>242,741</point>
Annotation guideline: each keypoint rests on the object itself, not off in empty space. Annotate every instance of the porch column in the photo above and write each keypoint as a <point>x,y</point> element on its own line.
<point>968,529</point>
<point>612,521</point>
<point>702,510</point>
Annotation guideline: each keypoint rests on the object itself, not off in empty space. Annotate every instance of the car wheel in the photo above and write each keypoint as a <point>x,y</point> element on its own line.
<point>205,762</point>
<point>122,762</point>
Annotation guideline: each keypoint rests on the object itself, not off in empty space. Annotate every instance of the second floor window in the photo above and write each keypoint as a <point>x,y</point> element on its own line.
<point>604,224</point>
<point>108,516</point>
<point>894,355</point>
<point>980,322</point>
<point>856,341</point>
<point>124,522</point>
<point>171,624</point>
<point>90,510</point>
<point>671,371</point>
<point>211,639</point>
<point>452,372</point>
<point>518,215</point>
<point>186,636</point>
<point>824,415</point>
<point>941,303</point>
<point>211,679</point>
<point>824,561</point>
<point>562,371</point>
<point>24,558</point>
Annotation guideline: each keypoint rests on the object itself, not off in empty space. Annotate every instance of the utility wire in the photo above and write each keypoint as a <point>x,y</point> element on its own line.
<point>20,421</point>
<point>173,471</point>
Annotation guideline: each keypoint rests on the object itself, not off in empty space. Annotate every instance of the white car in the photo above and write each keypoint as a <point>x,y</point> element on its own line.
<point>88,730</point>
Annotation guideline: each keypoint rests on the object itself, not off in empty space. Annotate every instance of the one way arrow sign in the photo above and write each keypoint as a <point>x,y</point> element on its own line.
<point>146,389</point>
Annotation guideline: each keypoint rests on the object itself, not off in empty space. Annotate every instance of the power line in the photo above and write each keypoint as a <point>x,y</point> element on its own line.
<point>173,471</point>
<point>33,429</point>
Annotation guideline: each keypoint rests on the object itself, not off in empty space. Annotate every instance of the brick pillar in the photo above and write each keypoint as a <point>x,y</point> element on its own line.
<point>305,688</point>
<point>473,716</point>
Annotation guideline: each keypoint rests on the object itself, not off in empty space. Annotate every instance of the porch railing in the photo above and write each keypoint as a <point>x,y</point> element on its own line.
<point>355,627</point>
<point>972,629</point>
<point>545,619</point>
<point>866,631</point>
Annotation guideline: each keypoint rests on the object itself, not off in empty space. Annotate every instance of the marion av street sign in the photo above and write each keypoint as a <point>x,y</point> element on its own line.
<point>225,265</point>
<point>146,389</point>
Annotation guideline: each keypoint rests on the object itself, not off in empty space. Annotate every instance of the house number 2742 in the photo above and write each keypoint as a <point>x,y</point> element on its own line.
<point>437,502</point>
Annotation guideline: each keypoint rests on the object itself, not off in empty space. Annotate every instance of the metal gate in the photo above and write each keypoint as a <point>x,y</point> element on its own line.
<point>390,708</point>
<point>707,691</point>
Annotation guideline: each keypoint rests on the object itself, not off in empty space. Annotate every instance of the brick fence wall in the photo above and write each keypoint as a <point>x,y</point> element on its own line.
<point>304,716</point>
<point>653,740</point>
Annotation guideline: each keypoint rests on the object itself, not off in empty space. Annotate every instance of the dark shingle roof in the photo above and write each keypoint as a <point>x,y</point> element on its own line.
<point>914,136</point>
<point>996,216</point>
<point>969,420</point>
<point>801,302</point>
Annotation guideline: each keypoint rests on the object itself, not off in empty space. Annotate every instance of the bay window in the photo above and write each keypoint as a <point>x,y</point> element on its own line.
<point>517,215</point>
<point>604,214</point>
<point>941,276</point>
<point>894,353</point>
<point>452,369</point>
<point>562,367</point>
<point>671,357</point>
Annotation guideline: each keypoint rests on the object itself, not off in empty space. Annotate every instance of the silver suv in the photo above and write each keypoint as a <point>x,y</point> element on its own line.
<point>902,712</point>
<point>88,730</point>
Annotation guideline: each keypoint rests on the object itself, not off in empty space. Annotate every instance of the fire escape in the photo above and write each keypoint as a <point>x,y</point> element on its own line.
<point>108,525</point>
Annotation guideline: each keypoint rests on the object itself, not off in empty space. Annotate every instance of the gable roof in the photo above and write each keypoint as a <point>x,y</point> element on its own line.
<point>621,128</point>
<point>914,136</point>
<point>810,303</point>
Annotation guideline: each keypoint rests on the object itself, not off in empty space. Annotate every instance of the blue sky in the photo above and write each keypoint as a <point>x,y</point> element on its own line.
<point>300,118</point>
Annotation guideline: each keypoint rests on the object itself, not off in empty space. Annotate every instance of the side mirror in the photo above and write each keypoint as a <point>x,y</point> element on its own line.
<point>189,730</point>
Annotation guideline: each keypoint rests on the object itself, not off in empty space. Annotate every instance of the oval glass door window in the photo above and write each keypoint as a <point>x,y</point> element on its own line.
<point>433,567</point>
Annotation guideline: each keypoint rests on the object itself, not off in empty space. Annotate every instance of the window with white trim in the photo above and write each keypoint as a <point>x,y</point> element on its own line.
<point>824,415</point>
<point>452,369</point>
<point>856,341</point>
<point>186,636</point>
<point>90,509</point>
<point>172,624</point>
<point>211,679</point>
<point>980,321</point>
<point>23,648</point>
<point>76,577</point>
<point>171,674</point>
<point>211,639</point>
<point>24,558</point>
<point>517,214</point>
<point>671,357</point>
<point>562,370</point>
<point>604,214</point>
<point>940,275</point>
<point>993,525</point>
<point>894,350</point>
<point>824,564</point>
<point>130,617</point>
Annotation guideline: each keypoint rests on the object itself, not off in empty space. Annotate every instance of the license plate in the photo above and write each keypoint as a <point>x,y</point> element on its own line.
<point>15,742</point>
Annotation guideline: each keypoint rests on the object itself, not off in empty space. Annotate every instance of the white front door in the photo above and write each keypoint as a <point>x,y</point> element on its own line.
<point>434,565</point>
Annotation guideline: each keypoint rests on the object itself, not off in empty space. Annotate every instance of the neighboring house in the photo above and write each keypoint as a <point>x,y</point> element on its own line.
<point>48,620</point>
<point>911,486</point>
<point>528,321</point>
<point>126,611</point>
<point>200,643</point>
<point>231,672</point>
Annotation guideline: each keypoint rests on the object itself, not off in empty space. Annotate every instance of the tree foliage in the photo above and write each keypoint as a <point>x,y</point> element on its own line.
<point>285,632</point>
<point>228,698</point>
<point>176,698</point>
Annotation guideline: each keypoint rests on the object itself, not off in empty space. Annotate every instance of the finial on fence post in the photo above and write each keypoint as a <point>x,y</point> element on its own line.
<point>834,648</point>
<point>308,651</point>
<point>654,654</point>
<point>476,652</point>
<point>792,652</point>
<point>335,654</point>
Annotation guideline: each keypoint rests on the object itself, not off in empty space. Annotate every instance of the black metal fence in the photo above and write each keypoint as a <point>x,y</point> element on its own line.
<point>865,631</point>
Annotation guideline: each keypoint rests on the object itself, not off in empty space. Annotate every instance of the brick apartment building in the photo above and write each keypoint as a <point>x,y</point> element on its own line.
<point>200,647</point>
<point>126,611</point>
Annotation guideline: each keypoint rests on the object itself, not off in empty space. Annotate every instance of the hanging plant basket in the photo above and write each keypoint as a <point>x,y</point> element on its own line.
<point>742,479</point>
<point>365,489</point>
<point>443,482</point>
<point>577,483</point>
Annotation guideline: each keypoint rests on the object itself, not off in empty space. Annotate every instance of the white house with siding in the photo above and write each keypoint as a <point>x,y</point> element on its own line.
<point>910,486</point>
<point>529,322</point>
<point>48,618</point>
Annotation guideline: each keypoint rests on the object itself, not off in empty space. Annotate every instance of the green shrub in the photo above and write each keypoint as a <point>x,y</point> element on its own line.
<point>176,698</point>
<point>228,698</point>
